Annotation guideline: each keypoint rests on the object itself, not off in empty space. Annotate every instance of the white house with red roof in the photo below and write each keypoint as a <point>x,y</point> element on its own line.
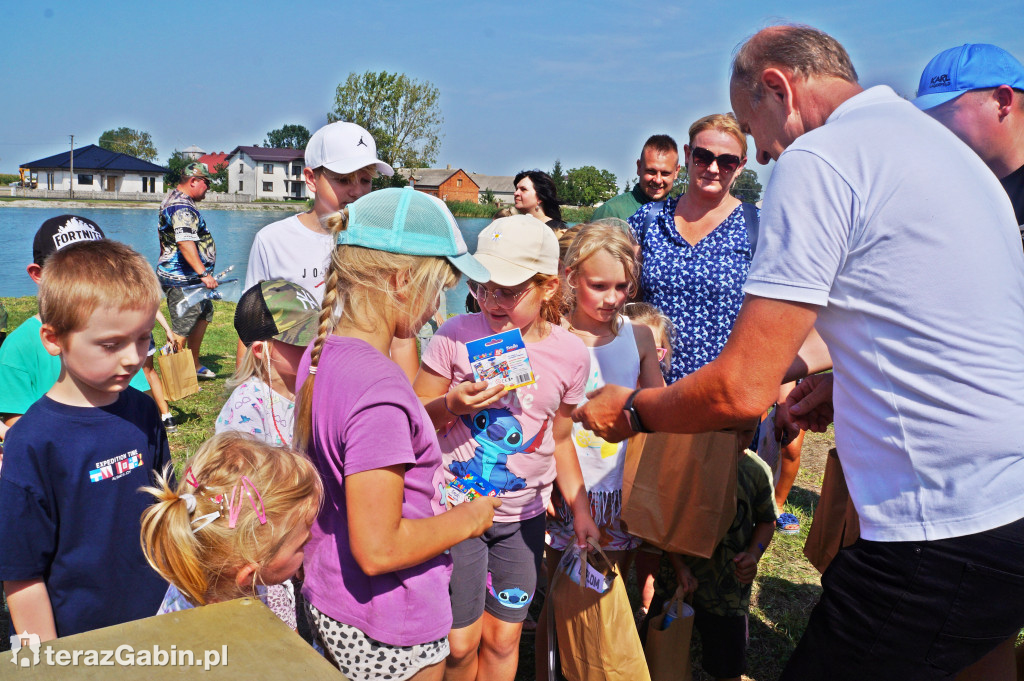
<point>266,173</point>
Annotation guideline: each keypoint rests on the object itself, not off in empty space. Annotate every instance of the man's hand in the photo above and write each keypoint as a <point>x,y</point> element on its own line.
<point>603,413</point>
<point>810,403</point>
<point>209,281</point>
<point>746,567</point>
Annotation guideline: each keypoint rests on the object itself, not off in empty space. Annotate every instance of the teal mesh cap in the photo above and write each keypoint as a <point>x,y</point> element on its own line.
<point>409,222</point>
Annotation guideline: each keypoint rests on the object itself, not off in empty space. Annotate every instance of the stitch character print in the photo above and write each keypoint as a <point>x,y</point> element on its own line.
<point>498,435</point>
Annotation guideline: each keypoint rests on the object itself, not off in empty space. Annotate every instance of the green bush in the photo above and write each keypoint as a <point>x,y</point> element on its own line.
<point>471,209</point>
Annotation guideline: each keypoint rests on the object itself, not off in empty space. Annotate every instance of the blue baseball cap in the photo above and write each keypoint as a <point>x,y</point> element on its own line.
<point>403,220</point>
<point>968,67</point>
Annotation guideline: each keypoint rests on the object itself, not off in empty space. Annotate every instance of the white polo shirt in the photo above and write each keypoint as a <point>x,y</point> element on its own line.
<point>908,243</point>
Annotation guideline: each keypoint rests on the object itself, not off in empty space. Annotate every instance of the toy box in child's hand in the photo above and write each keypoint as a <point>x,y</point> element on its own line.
<point>467,488</point>
<point>501,358</point>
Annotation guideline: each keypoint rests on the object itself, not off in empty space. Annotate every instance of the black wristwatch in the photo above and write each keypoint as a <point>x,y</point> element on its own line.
<point>633,417</point>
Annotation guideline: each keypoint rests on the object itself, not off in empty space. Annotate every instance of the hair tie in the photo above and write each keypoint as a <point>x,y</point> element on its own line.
<point>312,371</point>
<point>190,502</point>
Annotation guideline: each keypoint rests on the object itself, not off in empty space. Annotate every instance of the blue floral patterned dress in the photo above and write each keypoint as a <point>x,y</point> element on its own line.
<point>699,287</point>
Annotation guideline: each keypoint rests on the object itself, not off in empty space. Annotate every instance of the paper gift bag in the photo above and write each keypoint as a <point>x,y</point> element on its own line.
<point>668,648</point>
<point>835,523</point>
<point>597,637</point>
<point>679,491</point>
<point>178,374</point>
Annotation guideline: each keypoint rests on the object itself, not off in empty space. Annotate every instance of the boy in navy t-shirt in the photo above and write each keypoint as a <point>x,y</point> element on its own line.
<point>71,560</point>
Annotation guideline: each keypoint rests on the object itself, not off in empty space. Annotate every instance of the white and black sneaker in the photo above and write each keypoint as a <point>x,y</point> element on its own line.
<point>169,425</point>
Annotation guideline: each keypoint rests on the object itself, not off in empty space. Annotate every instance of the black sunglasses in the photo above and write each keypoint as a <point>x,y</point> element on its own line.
<point>704,158</point>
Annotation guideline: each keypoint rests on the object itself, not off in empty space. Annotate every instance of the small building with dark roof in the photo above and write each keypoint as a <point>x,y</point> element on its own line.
<point>97,170</point>
<point>267,173</point>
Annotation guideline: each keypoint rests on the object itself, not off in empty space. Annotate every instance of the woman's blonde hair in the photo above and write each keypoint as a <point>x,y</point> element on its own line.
<point>649,315</point>
<point>202,558</point>
<point>726,123</point>
<point>361,286</point>
<point>591,239</point>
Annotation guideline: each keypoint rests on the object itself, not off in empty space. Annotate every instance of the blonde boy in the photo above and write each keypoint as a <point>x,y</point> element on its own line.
<point>74,463</point>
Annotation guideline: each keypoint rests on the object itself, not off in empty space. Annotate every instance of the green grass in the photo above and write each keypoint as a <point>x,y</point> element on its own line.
<point>468,209</point>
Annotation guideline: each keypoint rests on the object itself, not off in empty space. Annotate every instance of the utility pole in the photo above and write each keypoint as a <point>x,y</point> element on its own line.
<point>71,180</point>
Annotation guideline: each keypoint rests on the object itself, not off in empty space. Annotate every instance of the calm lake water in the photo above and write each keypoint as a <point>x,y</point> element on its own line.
<point>233,231</point>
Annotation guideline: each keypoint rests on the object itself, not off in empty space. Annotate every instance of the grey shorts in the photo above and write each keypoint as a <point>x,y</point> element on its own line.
<point>497,572</point>
<point>184,324</point>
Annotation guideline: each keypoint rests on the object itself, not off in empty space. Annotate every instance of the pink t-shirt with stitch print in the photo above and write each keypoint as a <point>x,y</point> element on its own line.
<point>509,443</point>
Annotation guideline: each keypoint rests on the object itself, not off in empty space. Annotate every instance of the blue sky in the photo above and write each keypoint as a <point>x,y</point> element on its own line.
<point>521,83</point>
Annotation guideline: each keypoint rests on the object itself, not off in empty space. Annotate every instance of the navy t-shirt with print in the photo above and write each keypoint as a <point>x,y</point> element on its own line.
<point>699,287</point>
<point>70,507</point>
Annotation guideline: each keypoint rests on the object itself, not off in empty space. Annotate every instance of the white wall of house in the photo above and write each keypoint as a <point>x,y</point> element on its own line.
<point>265,179</point>
<point>241,174</point>
<point>88,180</point>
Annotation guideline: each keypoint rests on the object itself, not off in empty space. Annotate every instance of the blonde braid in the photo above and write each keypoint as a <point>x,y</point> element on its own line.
<point>304,404</point>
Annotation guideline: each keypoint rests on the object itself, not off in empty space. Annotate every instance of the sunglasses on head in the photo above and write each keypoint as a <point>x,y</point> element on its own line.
<point>704,158</point>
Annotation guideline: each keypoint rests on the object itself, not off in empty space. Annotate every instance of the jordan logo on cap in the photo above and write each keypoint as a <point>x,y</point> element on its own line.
<point>361,142</point>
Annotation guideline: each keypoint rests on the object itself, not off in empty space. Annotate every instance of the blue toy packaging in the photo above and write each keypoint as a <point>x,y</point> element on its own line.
<point>501,358</point>
<point>467,488</point>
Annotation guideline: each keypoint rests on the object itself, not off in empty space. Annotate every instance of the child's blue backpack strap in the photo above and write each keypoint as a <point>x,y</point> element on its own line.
<point>753,222</point>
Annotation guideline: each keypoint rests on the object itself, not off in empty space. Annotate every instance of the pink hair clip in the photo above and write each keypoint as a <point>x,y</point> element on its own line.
<point>190,478</point>
<point>235,504</point>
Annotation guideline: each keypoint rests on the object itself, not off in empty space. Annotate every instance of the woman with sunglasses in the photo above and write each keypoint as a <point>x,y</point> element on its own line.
<point>696,253</point>
<point>695,248</point>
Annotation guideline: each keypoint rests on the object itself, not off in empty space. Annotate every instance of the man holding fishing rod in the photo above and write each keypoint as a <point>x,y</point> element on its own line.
<point>187,258</point>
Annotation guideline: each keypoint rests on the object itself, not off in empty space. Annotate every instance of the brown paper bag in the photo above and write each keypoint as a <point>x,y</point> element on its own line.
<point>679,491</point>
<point>597,637</point>
<point>178,374</point>
<point>668,650</point>
<point>835,523</point>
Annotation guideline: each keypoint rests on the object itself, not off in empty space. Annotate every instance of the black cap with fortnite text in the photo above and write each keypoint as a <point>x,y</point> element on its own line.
<point>61,231</point>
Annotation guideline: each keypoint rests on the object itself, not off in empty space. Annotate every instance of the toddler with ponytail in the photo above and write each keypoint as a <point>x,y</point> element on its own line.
<point>234,524</point>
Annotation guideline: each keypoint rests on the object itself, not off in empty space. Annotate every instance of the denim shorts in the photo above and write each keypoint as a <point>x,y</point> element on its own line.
<point>914,610</point>
<point>497,571</point>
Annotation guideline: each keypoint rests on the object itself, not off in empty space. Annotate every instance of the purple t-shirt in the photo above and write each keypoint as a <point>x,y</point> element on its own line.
<point>366,416</point>
<point>510,442</point>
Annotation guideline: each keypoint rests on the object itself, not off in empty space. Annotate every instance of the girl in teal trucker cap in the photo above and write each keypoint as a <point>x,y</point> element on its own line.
<point>376,567</point>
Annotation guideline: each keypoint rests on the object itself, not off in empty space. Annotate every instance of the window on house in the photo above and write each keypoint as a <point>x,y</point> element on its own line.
<point>268,186</point>
<point>458,182</point>
<point>239,185</point>
<point>85,179</point>
<point>49,180</point>
<point>296,170</point>
<point>268,168</point>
